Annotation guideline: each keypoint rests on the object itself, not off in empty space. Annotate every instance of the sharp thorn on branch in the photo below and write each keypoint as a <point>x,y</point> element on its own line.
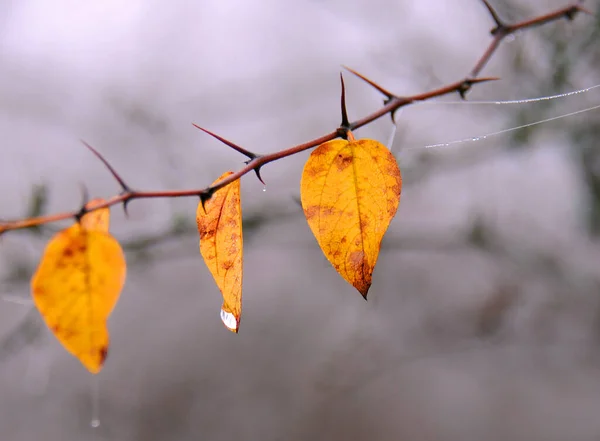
<point>256,169</point>
<point>389,95</point>
<point>481,80</point>
<point>125,205</point>
<point>465,86</point>
<point>237,148</point>
<point>205,195</point>
<point>345,122</point>
<point>124,187</point>
<point>84,201</point>
<point>257,172</point>
<point>572,12</point>
<point>499,23</point>
<point>393,112</point>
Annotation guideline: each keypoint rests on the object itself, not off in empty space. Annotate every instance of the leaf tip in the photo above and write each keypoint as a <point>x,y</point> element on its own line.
<point>364,290</point>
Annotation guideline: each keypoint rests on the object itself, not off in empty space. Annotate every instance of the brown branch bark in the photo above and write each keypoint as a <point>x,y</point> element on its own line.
<point>255,162</point>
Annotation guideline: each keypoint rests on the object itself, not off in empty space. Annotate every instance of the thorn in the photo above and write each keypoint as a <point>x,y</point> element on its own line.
<point>257,172</point>
<point>124,186</point>
<point>237,148</point>
<point>205,195</point>
<point>125,204</point>
<point>257,169</point>
<point>481,80</point>
<point>465,86</point>
<point>570,14</point>
<point>393,112</point>
<point>495,17</point>
<point>389,95</point>
<point>345,123</point>
<point>84,201</point>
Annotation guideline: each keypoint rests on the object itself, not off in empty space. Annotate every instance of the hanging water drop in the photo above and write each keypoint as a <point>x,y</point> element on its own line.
<point>265,188</point>
<point>229,320</point>
<point>95,420</point>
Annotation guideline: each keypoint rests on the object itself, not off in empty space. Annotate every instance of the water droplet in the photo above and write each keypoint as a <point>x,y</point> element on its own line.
<point>229,320</point>
<point>510,38</point>
<point>95,420</point>
<point>265,188</point>
<point>475,139</point>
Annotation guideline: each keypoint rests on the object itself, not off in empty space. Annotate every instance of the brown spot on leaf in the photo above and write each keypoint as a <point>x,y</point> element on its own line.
<point>356,259</point>
<point>363,271</point>
<point>207,232</point>
<point>322,150</point>
<point>310,212</point>
<point>103,353</point>
<point>343,161</point>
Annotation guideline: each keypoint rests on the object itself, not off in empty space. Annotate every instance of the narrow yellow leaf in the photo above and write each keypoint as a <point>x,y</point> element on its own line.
<point>77,285</point>
<point>221,245</point>
<point>350,192</point>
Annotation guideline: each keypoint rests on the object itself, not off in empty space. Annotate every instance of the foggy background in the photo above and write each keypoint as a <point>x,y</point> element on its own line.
<point>483,320</point>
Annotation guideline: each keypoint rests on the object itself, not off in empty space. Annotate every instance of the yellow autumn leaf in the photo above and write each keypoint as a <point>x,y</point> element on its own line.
<point>77,285</point>
<point>221,245</point>
<point>350,192</point>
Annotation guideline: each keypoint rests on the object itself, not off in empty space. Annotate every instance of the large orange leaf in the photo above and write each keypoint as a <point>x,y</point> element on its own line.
<point>221,246</point>
<point>350,192</point>
<point>77,285</point>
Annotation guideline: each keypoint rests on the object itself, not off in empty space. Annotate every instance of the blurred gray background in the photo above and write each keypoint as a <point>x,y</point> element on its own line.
<point>483,321</point>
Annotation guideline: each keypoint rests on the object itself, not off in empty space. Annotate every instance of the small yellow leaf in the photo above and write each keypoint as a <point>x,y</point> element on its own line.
<point>221,245</point>
<point>77,285</point>
<point>350,192</point>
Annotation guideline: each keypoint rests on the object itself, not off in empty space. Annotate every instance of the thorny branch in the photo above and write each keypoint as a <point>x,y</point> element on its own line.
<point>255,161</point>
